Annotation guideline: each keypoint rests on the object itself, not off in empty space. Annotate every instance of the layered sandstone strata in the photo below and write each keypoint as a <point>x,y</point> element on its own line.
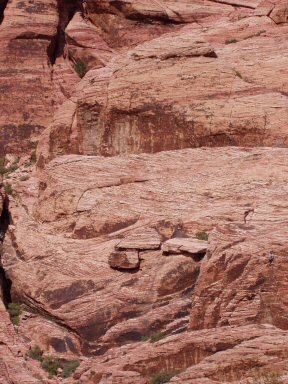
<point>213,83</point>
<point>91,206</point>
<point>35,78</point>
<point>126,106</point>
<point>106,255</point>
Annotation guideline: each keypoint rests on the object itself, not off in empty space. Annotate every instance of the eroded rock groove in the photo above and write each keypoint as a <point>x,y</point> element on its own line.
<point>3,5</point>
<point>66,11</point>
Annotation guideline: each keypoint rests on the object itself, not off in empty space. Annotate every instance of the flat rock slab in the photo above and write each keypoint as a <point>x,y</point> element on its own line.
<point>124,260</point>
<point>180,245</point>
<point>185,46</point>
<point>141,240</point>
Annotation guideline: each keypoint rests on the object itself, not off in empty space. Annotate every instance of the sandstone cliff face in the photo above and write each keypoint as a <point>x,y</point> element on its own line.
<point>12,350</point>
<point>224,356</point>
<point>190,87</point>
<point>131,251</point>
<point>91,206</point>
<point>120,109</point>
<point>31,63</point>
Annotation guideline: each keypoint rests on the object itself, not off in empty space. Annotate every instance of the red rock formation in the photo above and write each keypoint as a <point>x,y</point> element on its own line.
<point>106,307</point>
<point>12,350</point>
<point>130,106</point>
<point>30,93</point>
<point>105,255</point>
<point>215,356</point>
<point>95,33</point>
<point>104,121</point>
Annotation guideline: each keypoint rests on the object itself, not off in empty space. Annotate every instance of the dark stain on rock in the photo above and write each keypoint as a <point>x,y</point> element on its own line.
<point>186,278</point>
<point>16,138</point>
<point>61,296</point>
<point>93,331</point>
<point>58,344</point>
<point>150,128</point>
<point>129,283</point>
<point>131,314</point>
<point>36,7</point>
<point>89,232</point>
<point>70,344</point>
<point>182,313</point>
<point>129,337</point>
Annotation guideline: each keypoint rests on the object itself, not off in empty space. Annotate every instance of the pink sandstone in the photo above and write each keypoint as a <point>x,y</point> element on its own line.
<point>149,81</point>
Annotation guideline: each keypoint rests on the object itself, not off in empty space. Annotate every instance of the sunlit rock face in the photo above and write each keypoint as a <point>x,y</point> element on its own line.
<point>102,264</point>
<point>148,232</point>
<point>201,75</point>
<point>162,75</point>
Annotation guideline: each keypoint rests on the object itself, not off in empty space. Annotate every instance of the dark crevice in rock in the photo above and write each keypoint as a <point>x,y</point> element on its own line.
<point>5,287</point>
<point>5,282</point>
<point>66,11</point>
<point>3,5</point>
<point>5,218</point>
<point>122,9</point>
<point>233,4</point>
<point>197,257</point>
<point>165,20</point>
<point>269,13</point>
<point>132,271</point>
<point>34,306</point>
<point>32,36</point>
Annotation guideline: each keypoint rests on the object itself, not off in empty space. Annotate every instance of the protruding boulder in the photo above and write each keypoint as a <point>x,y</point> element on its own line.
<point>124,260</point>
<point>280,13</point>
<point>142,240</point>
<point>192,246</point>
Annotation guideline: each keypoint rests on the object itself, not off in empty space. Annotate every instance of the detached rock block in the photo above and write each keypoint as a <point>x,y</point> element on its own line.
<point>148,239</point>
<point>138,244</point>
<point>279,13</point>
<point>179,245</point>
<point>124,260</point>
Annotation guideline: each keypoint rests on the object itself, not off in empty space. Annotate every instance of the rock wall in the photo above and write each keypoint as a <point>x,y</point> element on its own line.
<point>131,252</point>
<point>90,205</point>
<point>191,83</point>
<point>104,283</point>
<point>30,90</point>
<point>143,58</point>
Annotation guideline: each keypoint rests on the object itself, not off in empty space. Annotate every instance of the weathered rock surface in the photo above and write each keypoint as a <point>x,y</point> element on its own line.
<point>181,11</point>
<point>193,247</point>
<point>50,41</point>
<point>83,251</point>
<point>222,355</point>
<point>35,79</point>
<point>123,25</point>
<point>248,296</point>
<point>124,260</point>
<point>12,350</point>
<point>212,84</point>
<point>141,239</point>
<point>279,12</point>
<point>53,339</point>
<point>70,279</point>
<point>84,43</point>
<point>26,34</point>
